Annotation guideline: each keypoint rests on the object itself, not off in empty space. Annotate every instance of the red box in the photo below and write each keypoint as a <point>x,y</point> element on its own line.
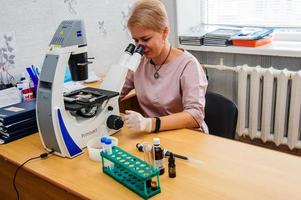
<point>252,43</point>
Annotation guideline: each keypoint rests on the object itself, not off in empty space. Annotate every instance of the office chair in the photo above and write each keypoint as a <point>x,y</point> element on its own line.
<point>220,115</point>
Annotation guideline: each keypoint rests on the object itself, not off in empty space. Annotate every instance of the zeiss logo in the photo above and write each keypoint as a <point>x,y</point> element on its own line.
<point>78,33</point>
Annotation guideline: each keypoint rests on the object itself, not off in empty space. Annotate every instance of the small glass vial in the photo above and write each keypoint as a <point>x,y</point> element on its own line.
<point>171,166</point>
<point>159,155</point>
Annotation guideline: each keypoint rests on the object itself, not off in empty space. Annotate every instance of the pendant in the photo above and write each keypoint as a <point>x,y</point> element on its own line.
<point>156,75</point>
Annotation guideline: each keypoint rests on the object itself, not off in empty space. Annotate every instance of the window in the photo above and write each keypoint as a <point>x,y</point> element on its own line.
<point>272,13</point>
<point>282,14</point>
<point>197,17</point>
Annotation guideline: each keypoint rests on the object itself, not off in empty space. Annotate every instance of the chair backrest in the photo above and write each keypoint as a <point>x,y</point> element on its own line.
<point>220,115</point>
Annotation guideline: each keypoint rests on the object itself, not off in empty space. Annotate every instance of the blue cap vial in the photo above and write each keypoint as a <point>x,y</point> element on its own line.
<point>108,141</point>
<point>103,139</point>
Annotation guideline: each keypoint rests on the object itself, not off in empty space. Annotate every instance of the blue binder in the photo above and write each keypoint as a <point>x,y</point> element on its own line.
<point>4,139</point>
<point>32,121</point>
<point>253,33</point>
<point>30,127</point>
<point>16,112</point>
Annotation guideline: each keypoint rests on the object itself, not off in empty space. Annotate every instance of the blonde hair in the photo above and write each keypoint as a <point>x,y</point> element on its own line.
<point>149,14</point>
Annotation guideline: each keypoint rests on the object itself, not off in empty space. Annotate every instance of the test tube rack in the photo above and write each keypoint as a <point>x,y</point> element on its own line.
<point>131,172</point>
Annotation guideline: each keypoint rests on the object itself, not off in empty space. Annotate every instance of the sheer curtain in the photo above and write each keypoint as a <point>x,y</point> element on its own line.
<point>266,13</point>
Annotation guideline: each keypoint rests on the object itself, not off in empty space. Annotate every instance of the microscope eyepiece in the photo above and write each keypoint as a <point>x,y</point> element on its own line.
<point>130,48</point>
<point>140,49</point>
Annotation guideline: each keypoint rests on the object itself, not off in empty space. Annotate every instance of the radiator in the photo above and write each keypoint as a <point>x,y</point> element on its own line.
<point>269,105</point>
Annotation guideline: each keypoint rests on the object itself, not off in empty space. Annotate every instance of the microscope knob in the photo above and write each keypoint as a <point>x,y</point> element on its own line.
<point>114,122</point>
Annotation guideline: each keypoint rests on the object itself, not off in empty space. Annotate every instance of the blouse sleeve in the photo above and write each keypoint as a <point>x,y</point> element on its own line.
<point>193,87</point>
<point>128,85</point>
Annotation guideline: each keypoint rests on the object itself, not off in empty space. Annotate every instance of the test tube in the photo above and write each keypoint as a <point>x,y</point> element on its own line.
<point>103,144</point>
<point>147,148</point>
<point>108,147</point>
<point>148,153</point>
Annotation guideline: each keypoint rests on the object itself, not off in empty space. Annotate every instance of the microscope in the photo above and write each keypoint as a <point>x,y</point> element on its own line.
<point>67,121</point>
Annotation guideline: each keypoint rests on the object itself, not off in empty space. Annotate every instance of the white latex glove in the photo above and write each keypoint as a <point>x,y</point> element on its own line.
<point>135,121</point>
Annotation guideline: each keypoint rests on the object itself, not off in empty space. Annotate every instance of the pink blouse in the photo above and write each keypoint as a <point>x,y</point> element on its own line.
<point>181,87</point>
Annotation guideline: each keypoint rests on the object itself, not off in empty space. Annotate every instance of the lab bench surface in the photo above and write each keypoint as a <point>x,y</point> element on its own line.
<point>229,170</point>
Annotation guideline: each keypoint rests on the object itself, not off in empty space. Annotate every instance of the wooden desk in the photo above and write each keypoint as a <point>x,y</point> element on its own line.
<point>231,170</point>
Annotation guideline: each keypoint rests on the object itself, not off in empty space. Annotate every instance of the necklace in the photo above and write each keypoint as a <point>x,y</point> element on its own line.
<point>156,74</point>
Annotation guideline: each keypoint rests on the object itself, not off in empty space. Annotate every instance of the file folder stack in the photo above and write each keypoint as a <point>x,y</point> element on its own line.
<point>191,40</point>
<point>194,36</point>
<point>17,121</point>
<point>220,37</point>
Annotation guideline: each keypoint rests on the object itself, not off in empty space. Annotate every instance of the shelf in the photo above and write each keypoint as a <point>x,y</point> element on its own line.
<point>276,48</point>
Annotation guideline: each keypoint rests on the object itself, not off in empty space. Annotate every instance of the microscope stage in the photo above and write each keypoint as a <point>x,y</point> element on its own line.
<point>86,98</point>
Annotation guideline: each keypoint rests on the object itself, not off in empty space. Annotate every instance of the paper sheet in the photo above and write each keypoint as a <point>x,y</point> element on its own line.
<point>9,96</point>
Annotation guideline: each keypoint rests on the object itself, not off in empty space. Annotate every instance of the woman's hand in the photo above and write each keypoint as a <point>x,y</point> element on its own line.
<point>135,121</point>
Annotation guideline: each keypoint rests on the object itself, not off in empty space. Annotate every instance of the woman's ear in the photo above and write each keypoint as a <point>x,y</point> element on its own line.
<point>165,32</point>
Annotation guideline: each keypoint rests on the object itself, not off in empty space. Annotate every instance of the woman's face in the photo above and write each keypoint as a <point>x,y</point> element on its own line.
<point>152,40</point>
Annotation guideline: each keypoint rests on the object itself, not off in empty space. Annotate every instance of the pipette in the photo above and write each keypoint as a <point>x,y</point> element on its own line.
<point>139,146</point>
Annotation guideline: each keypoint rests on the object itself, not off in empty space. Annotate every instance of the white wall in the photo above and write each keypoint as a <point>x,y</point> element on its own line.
<point>171,12</point>
<point>32,23</point>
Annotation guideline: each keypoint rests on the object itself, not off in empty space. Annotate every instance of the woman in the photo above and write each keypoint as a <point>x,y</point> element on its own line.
<point>169,82</point>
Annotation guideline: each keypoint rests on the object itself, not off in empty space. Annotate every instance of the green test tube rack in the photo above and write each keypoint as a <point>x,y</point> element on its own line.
<point>131,171</point>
